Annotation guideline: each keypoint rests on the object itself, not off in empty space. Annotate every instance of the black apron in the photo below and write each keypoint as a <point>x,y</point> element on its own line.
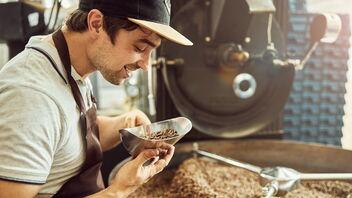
<point>89,180</point>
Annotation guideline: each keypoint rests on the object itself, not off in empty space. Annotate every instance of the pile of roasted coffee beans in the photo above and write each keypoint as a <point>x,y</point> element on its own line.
<point>163,134</point>
<point>199,177</point>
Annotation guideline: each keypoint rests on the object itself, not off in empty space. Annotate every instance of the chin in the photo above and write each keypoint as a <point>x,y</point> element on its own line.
<point>119,82</point>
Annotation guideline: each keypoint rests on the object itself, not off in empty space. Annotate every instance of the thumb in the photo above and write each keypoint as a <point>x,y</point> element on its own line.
<point>146,155</point>
<point>129,121</point>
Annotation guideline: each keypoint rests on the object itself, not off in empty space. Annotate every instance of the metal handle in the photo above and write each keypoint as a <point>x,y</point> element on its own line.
<point>232,162</point>
<point>151,100</point>
<point>308,54</point>
<point>271,189</point>
<point>326,176</point>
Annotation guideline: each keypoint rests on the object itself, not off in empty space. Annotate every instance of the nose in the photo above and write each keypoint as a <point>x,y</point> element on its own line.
<point>145,61</point>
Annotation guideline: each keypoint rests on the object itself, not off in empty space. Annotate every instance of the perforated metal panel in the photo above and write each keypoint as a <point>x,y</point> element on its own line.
<point>314,111</point>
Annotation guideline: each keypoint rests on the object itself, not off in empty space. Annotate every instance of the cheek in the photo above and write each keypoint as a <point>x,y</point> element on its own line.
<point>128,57</point>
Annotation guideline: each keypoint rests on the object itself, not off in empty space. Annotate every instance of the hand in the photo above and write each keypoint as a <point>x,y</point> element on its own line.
<point>135,172</point>
<point>108,127</point>
<point>135,118</point>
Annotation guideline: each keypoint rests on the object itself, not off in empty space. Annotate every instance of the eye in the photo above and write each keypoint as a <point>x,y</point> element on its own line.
<point>139,49</point>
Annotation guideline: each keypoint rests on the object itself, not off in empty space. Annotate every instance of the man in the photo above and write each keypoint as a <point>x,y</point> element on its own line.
<point>51,141</point>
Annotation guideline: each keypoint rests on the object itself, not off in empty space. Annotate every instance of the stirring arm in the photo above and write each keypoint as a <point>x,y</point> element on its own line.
<point>232,162</point>
<point>326,176</point>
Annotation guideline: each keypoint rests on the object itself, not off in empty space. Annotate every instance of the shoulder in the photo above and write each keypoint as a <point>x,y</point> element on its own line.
<point>31,66</point>
<point>33,73</point>
<point>29,107</point>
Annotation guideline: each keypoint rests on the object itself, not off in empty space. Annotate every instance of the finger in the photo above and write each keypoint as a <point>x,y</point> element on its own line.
<point>157,145</point>
<point>169,154</point>
<point>159,166</point>
<point>162,153</point>
<point>141,118</point>
<point>154,159</point>
<point>163,148</point>
<point>161,145</point>
<point>129,121</point>
<point>146,155</point>
<point>162,163</point>
<point>148,130</point>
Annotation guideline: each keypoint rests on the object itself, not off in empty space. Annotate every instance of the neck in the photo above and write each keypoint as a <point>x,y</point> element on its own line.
<point>77,45</point>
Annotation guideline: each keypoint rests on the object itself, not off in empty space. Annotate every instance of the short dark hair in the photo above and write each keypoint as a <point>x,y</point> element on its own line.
<point>77,22</point>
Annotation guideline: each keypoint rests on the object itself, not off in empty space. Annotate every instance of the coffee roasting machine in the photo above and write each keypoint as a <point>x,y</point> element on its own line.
<point>234,82</point>
<point>237,77</point>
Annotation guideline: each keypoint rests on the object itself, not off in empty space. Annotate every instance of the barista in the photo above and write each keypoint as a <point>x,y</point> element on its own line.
<point>51,140</point>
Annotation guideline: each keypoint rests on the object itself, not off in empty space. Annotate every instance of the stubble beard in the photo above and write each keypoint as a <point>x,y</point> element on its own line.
<point>111,76</point>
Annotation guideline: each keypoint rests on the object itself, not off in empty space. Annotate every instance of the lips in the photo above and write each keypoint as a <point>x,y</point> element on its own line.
<point>128,73</point>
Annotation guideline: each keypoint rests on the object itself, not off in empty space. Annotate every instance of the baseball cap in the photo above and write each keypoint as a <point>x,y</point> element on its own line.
<point>151,14</point>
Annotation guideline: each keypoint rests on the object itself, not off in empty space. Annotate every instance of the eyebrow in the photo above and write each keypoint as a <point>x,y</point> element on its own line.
<point>153,45</point>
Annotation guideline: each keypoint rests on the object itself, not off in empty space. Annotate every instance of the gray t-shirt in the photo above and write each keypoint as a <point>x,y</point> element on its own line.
<point>40,135</point>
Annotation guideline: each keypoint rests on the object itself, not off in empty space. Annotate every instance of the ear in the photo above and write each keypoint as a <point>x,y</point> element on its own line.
<point>95,22</point>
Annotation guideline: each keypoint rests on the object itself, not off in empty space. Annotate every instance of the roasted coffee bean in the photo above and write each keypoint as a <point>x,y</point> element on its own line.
<point>160,135</point>
<point>200,177</point>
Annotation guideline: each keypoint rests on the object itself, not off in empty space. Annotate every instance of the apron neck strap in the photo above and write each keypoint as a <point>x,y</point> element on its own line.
<point>62,48</point>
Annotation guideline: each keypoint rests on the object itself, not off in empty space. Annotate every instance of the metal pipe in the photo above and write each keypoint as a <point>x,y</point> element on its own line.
<point>271,189</point>
<point>311,48</point>
<point>270,22</point>
<point>232,162</point>
<point>326,176</point>
<point>151,99</point>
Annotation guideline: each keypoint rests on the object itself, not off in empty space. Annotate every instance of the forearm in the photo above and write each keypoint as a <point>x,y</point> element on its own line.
<point>109,131</point>
<point>110,192</point>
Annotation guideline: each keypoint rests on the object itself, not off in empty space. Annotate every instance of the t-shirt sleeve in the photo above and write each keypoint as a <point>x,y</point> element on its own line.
<point>29,134</point>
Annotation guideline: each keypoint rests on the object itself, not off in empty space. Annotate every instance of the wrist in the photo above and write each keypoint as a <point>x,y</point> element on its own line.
<point>118,191</point>
<point>119,122</point>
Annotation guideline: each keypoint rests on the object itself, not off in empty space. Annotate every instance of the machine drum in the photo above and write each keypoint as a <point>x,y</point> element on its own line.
<point>228,84</point>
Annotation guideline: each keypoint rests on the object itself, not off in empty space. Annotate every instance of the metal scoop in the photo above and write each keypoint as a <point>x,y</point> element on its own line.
<point>276,181</point>
<point>137,139</point>
<point>280,180</point>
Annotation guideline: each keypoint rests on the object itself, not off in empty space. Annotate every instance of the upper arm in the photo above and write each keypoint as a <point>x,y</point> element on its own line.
<point>17,189</point>
<point>28,138</point>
